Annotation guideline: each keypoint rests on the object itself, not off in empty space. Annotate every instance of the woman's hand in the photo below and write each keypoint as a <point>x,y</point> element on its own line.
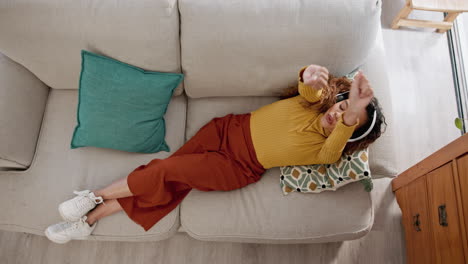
<point>315,76</point>
<point>361,93</point>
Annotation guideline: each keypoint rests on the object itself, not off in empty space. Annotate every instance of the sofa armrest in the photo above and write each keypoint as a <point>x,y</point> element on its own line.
<point>22,102</point>
<point>383,158</point>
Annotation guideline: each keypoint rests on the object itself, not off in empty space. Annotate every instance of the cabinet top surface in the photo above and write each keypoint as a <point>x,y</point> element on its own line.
<point>444,155</point>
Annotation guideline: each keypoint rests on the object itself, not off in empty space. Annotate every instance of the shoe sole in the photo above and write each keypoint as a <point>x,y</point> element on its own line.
<point>62,240</point>
<point>55,239</point>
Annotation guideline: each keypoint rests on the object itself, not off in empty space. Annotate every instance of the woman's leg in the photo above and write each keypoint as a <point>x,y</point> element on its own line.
<point>117,189</point>
<point>120,189</point>
<point>161,186</point>
<point>103,210</point>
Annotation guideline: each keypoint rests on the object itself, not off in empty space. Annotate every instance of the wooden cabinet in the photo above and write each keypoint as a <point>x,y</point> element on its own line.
<point>444,215</point>
<point>415,218</point>
<point>433,197</point>
<point>462,166</point>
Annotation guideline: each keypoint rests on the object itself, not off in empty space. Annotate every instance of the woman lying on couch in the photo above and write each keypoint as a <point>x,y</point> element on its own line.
<point>321,118</point>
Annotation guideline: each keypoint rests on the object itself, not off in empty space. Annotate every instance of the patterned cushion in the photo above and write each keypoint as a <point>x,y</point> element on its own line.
<point>327,177</point>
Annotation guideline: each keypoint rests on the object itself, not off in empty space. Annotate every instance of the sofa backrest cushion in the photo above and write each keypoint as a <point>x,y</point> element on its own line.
<point>47,36</point>
<point>255,48</point>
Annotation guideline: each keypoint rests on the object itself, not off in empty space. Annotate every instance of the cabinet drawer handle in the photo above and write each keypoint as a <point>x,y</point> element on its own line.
<point>416,223</point>
<point>442,215</point>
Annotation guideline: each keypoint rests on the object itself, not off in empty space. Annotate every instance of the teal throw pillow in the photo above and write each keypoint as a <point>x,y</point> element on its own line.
<point>121,106</point>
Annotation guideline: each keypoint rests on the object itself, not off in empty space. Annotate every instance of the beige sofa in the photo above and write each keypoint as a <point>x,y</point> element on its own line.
<point>236,55</point>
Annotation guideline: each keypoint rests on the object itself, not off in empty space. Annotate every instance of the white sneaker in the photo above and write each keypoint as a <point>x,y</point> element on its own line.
<point>65,231</point>
<point>74,209</point>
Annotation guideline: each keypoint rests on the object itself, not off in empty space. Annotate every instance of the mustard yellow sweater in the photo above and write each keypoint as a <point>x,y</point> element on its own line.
<point>285,133</point>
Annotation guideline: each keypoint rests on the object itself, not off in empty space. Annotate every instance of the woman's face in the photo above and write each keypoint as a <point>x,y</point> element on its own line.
<point>331,117</point>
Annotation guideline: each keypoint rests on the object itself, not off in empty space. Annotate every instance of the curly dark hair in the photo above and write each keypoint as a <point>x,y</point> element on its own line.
<point>328,99</point>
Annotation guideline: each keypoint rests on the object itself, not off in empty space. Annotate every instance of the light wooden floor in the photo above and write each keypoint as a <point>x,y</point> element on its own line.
<point>423,93</point>
<point>424,103</point>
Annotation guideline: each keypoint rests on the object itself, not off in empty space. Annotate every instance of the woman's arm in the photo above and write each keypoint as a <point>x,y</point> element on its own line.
<point>360,95</point>
<point>312,79</point>
<point>335,143</point>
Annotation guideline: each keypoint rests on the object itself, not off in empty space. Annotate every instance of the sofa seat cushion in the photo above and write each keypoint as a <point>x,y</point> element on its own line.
<point>260,213</point>
<point>57,170</point>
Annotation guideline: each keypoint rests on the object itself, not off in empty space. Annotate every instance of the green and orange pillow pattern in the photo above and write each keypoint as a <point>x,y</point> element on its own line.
<point>327,177</point>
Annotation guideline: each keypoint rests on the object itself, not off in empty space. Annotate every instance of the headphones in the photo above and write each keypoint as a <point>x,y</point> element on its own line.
<point>345,95</point>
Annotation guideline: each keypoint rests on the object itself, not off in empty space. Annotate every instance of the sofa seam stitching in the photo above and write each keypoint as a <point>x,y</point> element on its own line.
<point>39,137</point>
<point>3,158</point>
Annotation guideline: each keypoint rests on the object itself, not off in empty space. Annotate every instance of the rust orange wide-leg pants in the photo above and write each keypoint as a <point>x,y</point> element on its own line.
<point>220,156</point>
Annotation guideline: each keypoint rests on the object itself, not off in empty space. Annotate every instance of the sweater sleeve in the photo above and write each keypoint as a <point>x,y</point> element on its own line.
<point>334,145</point>
<point>309,93</point>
